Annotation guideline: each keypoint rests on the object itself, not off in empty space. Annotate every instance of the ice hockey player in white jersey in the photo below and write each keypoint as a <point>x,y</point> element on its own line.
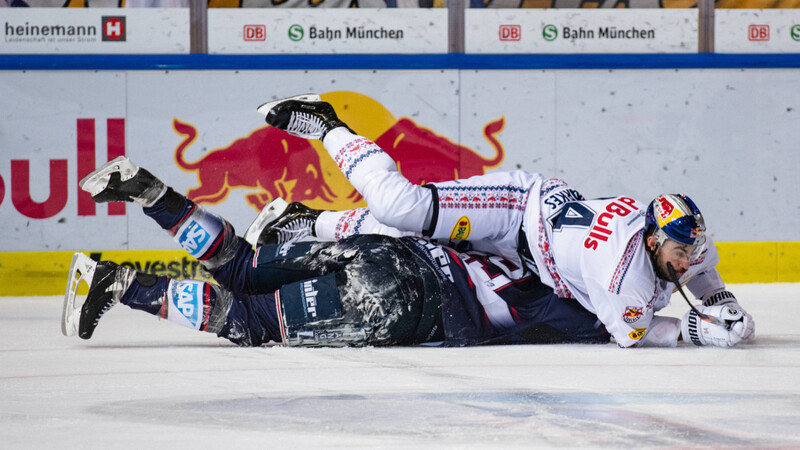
<point>612,255</point>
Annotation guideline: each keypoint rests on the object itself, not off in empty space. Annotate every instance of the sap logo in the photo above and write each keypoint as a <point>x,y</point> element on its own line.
<point>194,238</point>
<point>188,301</point>
<point>310,297</point>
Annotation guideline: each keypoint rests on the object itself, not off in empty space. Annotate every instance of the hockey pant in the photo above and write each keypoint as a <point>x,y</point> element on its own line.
<point>363,291</point>
<point>524,311</point>
<point>487,210</point>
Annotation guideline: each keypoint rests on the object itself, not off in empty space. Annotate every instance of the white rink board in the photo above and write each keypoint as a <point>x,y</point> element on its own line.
<point>310,31</point>
<point>726,137</point>
<point>61,30</point>
<point>581,31</point>
<point>757,31</point>
<point>141,382</point>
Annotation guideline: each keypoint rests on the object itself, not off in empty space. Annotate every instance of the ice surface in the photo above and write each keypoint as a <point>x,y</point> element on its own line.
<point>144,383</point>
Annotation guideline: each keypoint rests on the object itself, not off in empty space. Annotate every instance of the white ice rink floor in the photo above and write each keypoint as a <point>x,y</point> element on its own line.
<point>141,383</point>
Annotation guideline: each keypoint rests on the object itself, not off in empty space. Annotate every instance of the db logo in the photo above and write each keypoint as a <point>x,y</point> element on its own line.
<point>758,32</point>
<point>113,28</point>
<point>510,32</point>
<point>255,32</point>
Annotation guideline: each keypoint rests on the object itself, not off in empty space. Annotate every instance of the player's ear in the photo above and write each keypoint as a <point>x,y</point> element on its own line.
<point>651,243</point>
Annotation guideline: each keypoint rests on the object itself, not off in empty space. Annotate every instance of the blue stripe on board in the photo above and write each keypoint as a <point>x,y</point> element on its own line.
<point>397,62</point>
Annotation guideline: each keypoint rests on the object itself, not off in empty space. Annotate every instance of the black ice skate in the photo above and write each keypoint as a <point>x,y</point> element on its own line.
<point>305,116</point>
<point>280,223</point>
<point>121,180</point>
<point>107,282</point>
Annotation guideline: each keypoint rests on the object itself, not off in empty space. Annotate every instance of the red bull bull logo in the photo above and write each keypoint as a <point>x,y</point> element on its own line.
<point>271,163</point>
<point>632,314</point>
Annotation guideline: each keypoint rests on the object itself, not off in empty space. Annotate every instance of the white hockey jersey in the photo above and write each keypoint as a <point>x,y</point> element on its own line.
<point>594,251</point>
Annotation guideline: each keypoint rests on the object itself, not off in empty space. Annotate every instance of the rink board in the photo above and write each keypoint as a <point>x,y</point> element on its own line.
<point>45,273</point>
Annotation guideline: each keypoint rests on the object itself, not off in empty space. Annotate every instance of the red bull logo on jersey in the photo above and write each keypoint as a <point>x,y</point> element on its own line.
<point>601,230</point>
<point>270,163</point>
<point>632,314</point>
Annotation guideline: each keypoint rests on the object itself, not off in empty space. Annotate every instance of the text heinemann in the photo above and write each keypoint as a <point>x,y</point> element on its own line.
<point>354,33</point>
<point>609,33</point>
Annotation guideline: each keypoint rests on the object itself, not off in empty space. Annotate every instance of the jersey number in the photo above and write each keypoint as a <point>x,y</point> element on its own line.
<point>573,214</point>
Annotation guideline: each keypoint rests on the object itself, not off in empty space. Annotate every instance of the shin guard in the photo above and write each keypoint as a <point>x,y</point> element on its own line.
<point>207,237</point>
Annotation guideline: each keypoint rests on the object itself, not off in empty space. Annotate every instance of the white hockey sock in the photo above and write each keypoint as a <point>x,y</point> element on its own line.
<point>335,225</point>
<point>391,198</point>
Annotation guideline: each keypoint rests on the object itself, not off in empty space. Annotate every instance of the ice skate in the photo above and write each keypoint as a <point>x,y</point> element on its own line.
<point>281,222</point>
<point>121,180</point>
<point>305,116</point>
<point>107,282</point>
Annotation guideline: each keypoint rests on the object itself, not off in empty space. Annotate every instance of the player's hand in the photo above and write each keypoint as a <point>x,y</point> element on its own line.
<point>731,326</point>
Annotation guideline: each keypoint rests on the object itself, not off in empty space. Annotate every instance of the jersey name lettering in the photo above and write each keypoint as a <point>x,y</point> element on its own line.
<point>563,197</point>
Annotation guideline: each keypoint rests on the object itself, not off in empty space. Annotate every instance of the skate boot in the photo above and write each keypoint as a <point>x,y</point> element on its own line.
<point>121,180</point>
<point>107,282</point>
<point>305,116</point>
<point>280,223</point>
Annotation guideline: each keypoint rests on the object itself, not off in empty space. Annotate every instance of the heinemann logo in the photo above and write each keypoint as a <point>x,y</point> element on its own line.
<point>35,31</point>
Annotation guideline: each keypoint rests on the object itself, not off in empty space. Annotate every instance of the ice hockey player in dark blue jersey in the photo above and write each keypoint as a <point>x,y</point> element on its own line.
<point>363,290</point>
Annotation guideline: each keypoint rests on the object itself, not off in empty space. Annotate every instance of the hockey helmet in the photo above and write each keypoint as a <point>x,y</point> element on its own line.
<point>676,217</point>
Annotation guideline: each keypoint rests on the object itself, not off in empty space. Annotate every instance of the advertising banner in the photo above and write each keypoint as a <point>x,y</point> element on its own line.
<point>310,31</point>
<point>581,31</point>
<point>757,31</point>
<point>633,132</point>
<point>94,30</point>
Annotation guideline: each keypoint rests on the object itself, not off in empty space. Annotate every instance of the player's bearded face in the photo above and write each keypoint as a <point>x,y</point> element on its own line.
<point>679,255</point>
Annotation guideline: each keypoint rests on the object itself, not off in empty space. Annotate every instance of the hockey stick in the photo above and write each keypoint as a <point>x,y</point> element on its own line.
<point>677,283</point>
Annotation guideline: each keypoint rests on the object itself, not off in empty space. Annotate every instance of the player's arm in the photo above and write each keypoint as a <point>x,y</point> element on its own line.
<point>626,317</point>
<point>709,288</point>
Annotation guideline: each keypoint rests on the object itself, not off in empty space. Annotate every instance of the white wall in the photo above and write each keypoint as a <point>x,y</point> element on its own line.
<point>728,138</point>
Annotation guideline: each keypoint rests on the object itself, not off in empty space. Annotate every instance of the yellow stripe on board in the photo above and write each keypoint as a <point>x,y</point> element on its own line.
<point>45,273</point>
<point>759,262</point>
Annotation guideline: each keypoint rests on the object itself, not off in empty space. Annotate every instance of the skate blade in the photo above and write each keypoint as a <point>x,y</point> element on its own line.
<point>266,107</point>
<point>95,182</point>
<point>81,269</point>
<point>268,214</point>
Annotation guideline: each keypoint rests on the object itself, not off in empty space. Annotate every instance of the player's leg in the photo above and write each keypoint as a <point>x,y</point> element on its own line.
<point>204,235</point>
<point>280,222</point>
<point>247,320</point>
<point>550,320</point>
<point>392,199</point>
<point>488,207</point>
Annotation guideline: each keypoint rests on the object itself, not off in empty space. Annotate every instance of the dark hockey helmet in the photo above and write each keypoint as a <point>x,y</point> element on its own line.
<point>676,217</point>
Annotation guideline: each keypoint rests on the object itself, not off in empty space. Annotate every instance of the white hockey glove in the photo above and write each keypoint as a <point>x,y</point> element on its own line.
<point>735,326</point>
<point>720,298</point>
<point>727,298</point>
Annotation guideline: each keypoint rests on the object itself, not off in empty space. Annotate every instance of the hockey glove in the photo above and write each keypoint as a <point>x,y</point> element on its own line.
<point>727,298</point>
<point>735,326</point>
